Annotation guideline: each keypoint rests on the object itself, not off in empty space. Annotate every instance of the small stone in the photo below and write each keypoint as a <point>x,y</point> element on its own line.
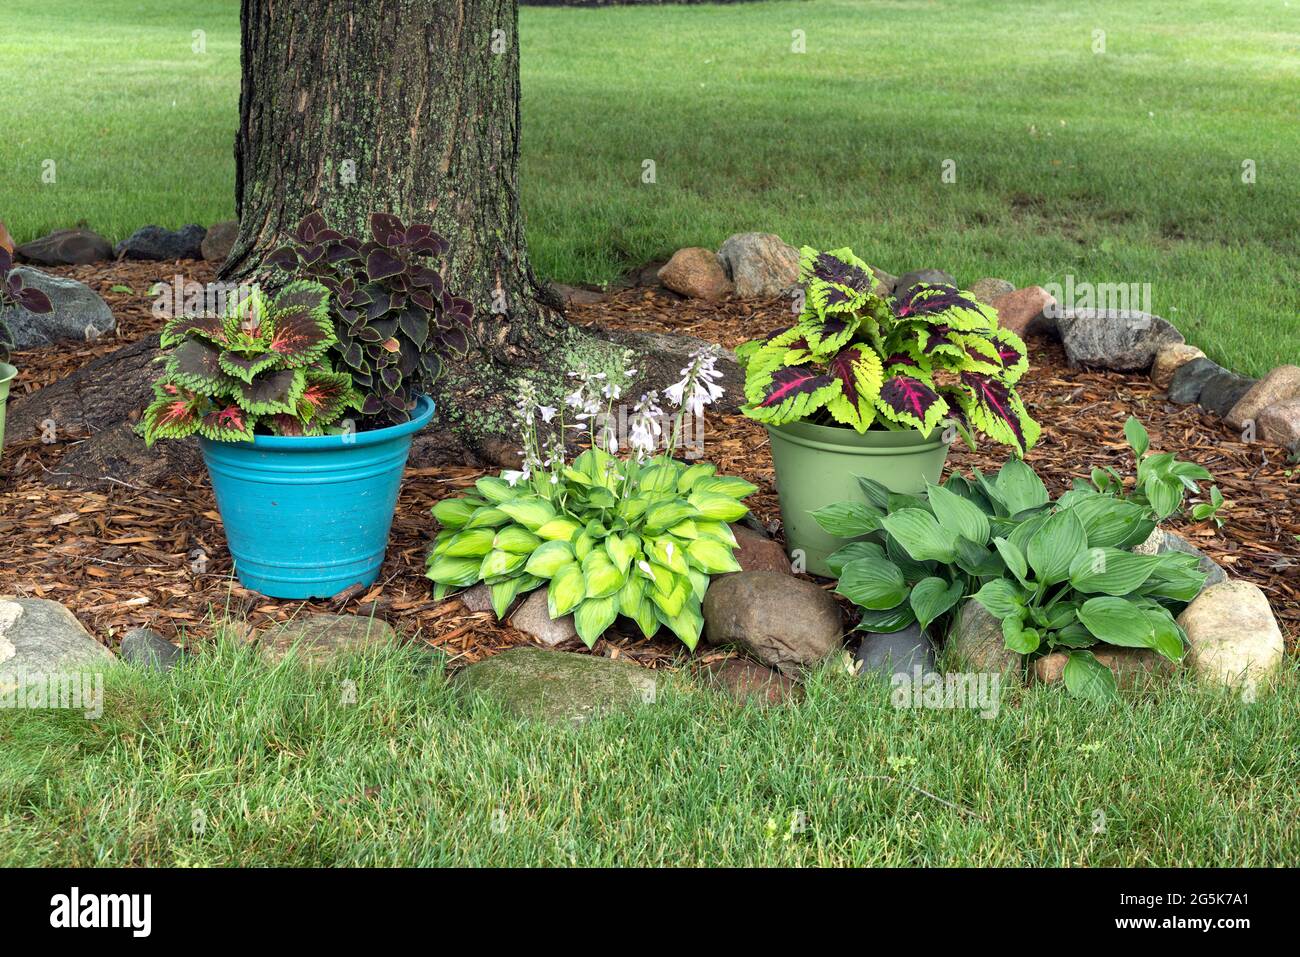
<point>1169,360</point>
<point>158,244</point>
<point>533,618</point>
<point>1032,309</point>
<point>697,273</point>
<point>975,643</point>
<point>1171,541</point>
<point>1132,667</point>
<point>749,683</point>
<point>647,277</point>
<point>784,622</point>
<point>904,283</point>
<point>150,650</point>
<point>1280,424</point>
<point>79,314</point>
<point>476,598</point>
<point>558,687</point>
<point>758,552</point>
<point>219,240</point>
<point>896,653</point>
<point>1115,339</point>
<point>1235,640</point>
<point>317,639</point>
<point>41,637</point>
<point>888,282</point>
<point>65,247</point>
<point>1279,385</point>
<point>1186,385</point>
<point>1223,391</point>
<point>576,296</point>
<point>988,289</point>
<point>761,265</point>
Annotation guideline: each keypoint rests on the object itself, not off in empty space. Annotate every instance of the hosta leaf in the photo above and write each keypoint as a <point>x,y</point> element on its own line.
<point>531,512</point>
<point>621,550</point>
<point>661,515</point>
<point>1001,599</point>
<point>548,558</point>
<point>933,597</point>
<point>1086,677</point>
<point>873,583</point>
<point>728,485</point>
<point>1054,547</point>
<point>456,572</point>
<point>1110,522</point>
<point>495,489</point>
<point>717,506</point>
<point>455,512</point>
<point>920,535</point>
<point>692,475</point>
<point>1020,488</point>
<point>593,616</point>
<point>1117,622</point>
<point>669,554</point>
<point>516,539</point>
<point>1018,638</point>
<point>487,516</point>
<point>852,552</point>
<point>888,621</point>
<point>1014,559</point>
<point>711,556</point>
<point>470,543</point>
<point>567,588</point>
<point>718,530</point>
<point>601,575</point>
<point>1137,436</point>
<point>848,519</point>
<point>958,515</point>
<point>497,563</point>
<point>686,624</point>
<point>1110,571</point>
<point>560,529</point>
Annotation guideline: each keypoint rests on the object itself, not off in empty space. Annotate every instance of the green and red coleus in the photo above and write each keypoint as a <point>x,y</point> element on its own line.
<point>857,357</point>
<point>262,367</point>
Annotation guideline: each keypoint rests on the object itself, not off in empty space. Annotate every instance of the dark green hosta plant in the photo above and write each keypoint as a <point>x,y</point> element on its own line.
<point>611,538</point>
<point>861,359</point>
<point>1059,574</point>
<point>261,367</point>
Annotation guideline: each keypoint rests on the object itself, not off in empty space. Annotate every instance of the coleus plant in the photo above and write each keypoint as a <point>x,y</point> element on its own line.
<point>394,319</point>
<point>1060,575</point>
<point>14,293</point>
<point>859,358</point>
<point>638,537</point>
<point>262,367</point>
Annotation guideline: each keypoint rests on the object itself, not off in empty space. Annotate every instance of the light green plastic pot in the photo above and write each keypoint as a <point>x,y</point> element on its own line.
<point>7,373</point>
<point>818,465</point>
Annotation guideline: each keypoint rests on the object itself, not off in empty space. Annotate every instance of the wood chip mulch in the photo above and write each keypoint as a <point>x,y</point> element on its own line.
<point>128,556</point>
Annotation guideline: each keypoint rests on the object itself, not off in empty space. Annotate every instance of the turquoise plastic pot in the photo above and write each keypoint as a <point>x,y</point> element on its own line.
<point>818,465</point>
<point>308,517</point>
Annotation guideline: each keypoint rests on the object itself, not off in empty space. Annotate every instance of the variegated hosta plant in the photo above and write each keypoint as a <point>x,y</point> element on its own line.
<point>261,367</point>
<point>859,358</point>
<point>638,537</point>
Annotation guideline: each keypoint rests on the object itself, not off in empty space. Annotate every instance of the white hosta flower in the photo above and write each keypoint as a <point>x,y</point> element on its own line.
<point>515,476</point>
<point>547,412</point>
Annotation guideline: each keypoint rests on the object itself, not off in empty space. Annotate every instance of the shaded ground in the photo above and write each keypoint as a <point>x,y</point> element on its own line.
<point>126,556</point>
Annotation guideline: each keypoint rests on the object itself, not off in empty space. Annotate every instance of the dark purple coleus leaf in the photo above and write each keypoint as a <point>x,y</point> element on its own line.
<point>900,359</point>
<point>909,396</point>
<point>925,299</point>
<point>387,229</point>
<point>841,367</point>
<point>284,257</point>
<point>299,337</point>
<point>381,264</point>
<point>937,336</point>
<point>793,381</point>
<point>995,399</point>
<point>228,424</point>
<point>197,365</point>
<point>245,365</point>
<point>308,228</point>
<point>832,269</point>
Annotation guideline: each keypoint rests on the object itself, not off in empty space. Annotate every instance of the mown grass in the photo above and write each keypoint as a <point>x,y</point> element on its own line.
<point>229,762</point>
<point>1119,167</point>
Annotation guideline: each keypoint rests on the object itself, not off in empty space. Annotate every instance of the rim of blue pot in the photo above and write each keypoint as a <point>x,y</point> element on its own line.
<point>7,372</point>
<point>309,443</point>
<point>843,438</point>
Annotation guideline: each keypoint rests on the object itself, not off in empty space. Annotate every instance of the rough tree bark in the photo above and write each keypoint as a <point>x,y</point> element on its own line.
<point>409,107</point>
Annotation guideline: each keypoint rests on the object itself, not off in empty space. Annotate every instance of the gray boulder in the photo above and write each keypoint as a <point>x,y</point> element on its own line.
<point>898,653</point>
<point>533,617</point>
<point>159,244</point>
<point>1120,340</point>
<point>148,649</point>
<point>1186,385</point>
<point>990,288</point>
<point>975,644</point>
<point>905,282</point>
<point>1224,390</point>
<point>761,265</point>
<point>318,639</point>
<point>556,686</point>
<point>79,313</point>
<point>38,636</point>
<point>66,247</point>
<point>786,623</point>
<point>219,240</point>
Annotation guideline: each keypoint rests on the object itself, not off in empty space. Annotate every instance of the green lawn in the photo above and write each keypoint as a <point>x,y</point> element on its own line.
<point>276,768</point>
<point>1120,167</point>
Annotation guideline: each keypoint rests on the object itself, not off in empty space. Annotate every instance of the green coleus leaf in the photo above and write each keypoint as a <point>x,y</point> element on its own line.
<point>209,328</point>
<point>196,365</point>
<point>227,424</point>
<point>873,583</point>
<point>1086,677</point>
<point>1053,548</point>
<point>924,539</point>
<point>175,413</point>
<point>300,329</point>
<point>326,396</point>
<point>933,597</point>
<point>567,588</point>
<point>594,616</point>
<point>246,366</point>
<point>272,393</point>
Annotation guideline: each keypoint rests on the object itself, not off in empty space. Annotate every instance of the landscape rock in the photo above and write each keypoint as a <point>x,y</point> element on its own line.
<point>975,644</point>
<point>317,639</point>
<point>1132,667</point>
<point>760,265</point>
<point>747,682</point>
<point>533,617</point>
<point>219,240</point>
<point>898,653</point>
<point>905,282</point>
<point>1163,540</point>
<point>1279,385</point>
<point>888,281</point>
<point>477,597</point>
<point>697,273</point>
<point>38,636</point>
<point>988,289</point>
<point>1235,640</point>
<point>558,687</point>
<point>784,622</point>
<point>1169,360</point>
<point>576,296</point>
<point>1223,391</point>
<point>1115,339</point>
<point>148,649</point>
<point>79,313</point>
<point>758,552</point>
<point>159,244</point>
<point>65,247</point>
<point>1186,385</point>
<point>1280,424</point>
<point>1032,309</point>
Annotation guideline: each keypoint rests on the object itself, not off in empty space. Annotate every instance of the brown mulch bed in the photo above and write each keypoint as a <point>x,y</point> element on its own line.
<point>126,556</point>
